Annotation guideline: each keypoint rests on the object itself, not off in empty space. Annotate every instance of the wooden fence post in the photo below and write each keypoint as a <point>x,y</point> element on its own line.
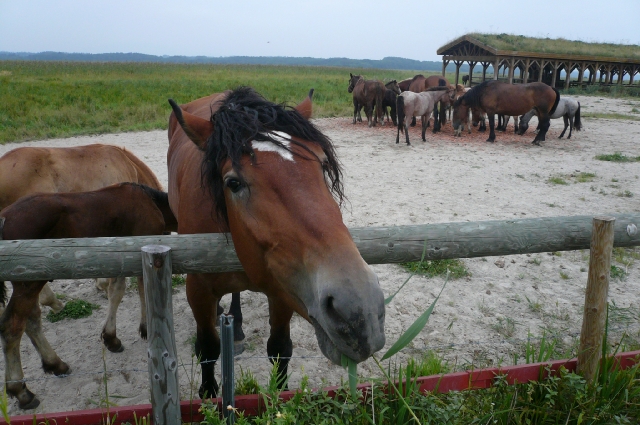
<point>162,352</point>
<point>595,299</point>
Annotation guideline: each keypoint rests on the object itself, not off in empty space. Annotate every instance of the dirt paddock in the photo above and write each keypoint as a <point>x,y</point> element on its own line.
<point>480,320</point>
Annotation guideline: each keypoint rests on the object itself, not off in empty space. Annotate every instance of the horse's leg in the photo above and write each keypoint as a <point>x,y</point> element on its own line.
<point>279,345</point>
<point>142,329</point>
<point>515,124</point>
<point>565,118</point>
<point>406,130</point>
<point>355,110</point>
<point>492,132</point>
<point>115,292</point>
<point>48,298</point>
<point>544,126</point>
<point>436,117</point>
<point>204,304</point>
<point>368,111</point>
<point>413,122</point>
<point>23,315</point>
<point>424,120</point>
<point>570,118</point>
<point>238,334</point>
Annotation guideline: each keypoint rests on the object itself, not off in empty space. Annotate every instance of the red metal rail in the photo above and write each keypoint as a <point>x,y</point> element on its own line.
<point>252,404</point>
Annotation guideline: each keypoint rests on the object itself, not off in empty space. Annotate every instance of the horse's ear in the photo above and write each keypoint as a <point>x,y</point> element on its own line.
<point>351,75</point>
<point>305,108</point>
<point>197,129</point>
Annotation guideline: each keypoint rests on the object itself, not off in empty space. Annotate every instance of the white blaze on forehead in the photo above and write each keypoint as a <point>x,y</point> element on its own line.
<point>279,136</point>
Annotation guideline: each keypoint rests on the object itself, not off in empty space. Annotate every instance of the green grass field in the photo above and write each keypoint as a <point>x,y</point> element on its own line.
<point>54,99</point>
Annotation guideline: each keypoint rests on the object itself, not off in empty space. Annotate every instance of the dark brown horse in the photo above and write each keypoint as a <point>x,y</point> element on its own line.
<point>495,97</point>
<point>28,170</point>
<point>124,209</point>
<point>269,177</point>
<point>390,95</point>
<point>368,94</point>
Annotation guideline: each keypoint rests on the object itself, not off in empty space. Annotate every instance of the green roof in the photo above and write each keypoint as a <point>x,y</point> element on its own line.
<point>520,43</point>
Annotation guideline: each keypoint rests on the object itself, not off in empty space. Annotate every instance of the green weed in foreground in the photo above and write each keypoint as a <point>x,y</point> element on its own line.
<point>432,268</point>
<point>617,157</point>
<point>74,309</point>
<point>563,399</point>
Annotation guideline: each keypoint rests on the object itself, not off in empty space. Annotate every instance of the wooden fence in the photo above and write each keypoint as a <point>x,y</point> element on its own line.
<point>211,253</point>
<point>110,257</point>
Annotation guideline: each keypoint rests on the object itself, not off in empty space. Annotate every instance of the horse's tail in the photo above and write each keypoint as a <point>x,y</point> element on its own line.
<point>555,105</point>
<point>577,124</point>
<point>400,110</point>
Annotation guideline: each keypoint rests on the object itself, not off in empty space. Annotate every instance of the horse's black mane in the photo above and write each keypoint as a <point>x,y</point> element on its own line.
<point>474,96</point>
<point>245,115</point>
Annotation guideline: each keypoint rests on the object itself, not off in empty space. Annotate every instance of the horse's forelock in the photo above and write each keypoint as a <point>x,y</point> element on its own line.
<point>244,116</point>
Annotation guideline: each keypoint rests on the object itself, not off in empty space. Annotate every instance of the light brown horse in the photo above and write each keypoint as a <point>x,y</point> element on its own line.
<point>420,83</point>
<point>28,170</point>
<point>496,97</point>
<point>123,209</point>
<point>368,94</point>
<point>269,177</point>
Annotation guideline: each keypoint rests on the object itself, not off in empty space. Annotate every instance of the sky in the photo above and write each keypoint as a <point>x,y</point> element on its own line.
<point>369,29</point>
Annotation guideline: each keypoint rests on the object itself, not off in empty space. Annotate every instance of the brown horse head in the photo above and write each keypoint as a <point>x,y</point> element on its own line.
<point>276,185</point>
<point>393,86</point>
<point>353,80</point>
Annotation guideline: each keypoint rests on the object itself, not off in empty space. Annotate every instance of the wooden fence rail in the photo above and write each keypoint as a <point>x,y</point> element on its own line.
<point>209,253</point>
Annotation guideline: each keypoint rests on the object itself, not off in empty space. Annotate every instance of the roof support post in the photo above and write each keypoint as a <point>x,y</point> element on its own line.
<point>445,62</point>
<point>554,65</point>
<point>472,65</point>
<point>525,76</point>
<point>485,65</point>
<point>496,65</point>
<point>512,62</point>
<point>458,63</point>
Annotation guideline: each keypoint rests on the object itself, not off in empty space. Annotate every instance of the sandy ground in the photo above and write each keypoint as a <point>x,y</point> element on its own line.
<point>443,180</point>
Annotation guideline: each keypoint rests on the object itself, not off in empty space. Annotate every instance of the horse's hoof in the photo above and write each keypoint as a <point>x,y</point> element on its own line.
<point>143,331</point>
<point>536,142</point>
<point>238,348</point>
<point>491,140</point>
<point>112,343</point>
<point>57,369</point>
<point>28,400</point>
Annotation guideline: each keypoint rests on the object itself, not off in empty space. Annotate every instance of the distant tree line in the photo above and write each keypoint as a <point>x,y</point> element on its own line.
<point>385,63</point>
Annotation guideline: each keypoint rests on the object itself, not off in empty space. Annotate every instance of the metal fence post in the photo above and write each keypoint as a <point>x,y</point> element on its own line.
<point>228,378</point>
<point>162,352</point>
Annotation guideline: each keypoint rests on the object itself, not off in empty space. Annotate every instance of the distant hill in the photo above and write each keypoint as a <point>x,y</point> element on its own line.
<point>385,63</point>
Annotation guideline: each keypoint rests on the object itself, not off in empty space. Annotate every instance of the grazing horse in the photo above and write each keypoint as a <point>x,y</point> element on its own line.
<point>123,209</point>
<point>420,83</point>
<point>495,97</point>
<point>422,104</point>
<point>390,95</point>
<point>28,170</point>
<point>368,94</point>
<point>269,177</point>
<point>568,108</point>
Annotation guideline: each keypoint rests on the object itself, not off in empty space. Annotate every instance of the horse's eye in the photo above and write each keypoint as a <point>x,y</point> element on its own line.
<point>234,184</point>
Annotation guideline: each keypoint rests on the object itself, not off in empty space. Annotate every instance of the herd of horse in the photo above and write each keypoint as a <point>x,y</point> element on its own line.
<point>238,164</point>
<point>423,97</point>
<point>258,171</point>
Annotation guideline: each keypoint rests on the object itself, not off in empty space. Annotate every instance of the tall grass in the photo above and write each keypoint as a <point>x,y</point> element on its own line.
<point>59,99</point>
